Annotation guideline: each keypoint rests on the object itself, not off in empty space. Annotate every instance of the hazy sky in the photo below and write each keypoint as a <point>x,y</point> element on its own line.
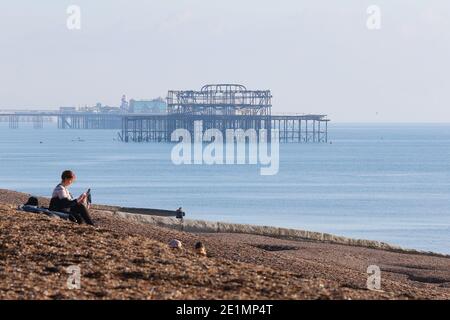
<point>316,56</point>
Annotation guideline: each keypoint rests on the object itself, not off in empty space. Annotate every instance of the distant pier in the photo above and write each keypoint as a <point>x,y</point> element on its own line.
<point>64,120</point>
<point>218,106</point>
<point>222,107</point>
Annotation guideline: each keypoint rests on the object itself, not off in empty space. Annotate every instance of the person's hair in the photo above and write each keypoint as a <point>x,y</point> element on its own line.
<point>67,175</point>
<point>199,245</point>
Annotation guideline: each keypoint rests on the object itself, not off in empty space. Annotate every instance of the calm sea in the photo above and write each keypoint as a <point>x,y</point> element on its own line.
<point>388,182</point>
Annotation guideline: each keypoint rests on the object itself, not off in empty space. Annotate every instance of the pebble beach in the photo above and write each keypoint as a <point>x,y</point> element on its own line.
<point>125,259</point>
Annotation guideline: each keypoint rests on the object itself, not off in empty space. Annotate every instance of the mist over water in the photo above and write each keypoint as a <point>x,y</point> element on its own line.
<point>388,182</point>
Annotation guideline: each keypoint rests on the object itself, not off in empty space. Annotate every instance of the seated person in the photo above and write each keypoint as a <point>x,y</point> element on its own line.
<point>62,200</point>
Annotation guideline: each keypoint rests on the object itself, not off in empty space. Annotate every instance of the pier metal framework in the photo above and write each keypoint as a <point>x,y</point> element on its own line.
<point>222,107</point>
<point>141,128</point>
<point>14,120</point>
<point>301,128</point>
<point>89,121</point>
<point>158,128</point>
<point>220,99</point>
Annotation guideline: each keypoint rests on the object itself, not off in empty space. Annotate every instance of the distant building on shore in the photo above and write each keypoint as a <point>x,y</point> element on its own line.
<point>67,109</point>
<point>155,106</point>
<point>124,106</point>
<point>99,108</point>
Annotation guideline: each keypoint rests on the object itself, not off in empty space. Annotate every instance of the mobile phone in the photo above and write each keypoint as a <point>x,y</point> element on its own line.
<point>88,198</point>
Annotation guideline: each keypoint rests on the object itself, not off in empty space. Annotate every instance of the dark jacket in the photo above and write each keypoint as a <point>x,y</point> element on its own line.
<point>62,200</point>
<point>62,205</point>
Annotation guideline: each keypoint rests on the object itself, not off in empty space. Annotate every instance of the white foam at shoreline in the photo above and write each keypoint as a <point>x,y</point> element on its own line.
<point>201,226</point>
